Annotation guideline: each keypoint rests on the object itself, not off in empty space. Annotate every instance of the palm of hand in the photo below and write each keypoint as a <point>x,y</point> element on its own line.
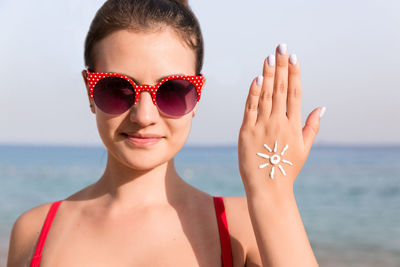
<point>272,126</point>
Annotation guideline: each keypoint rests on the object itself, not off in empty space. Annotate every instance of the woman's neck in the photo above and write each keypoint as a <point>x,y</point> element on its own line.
<point>123,188</point>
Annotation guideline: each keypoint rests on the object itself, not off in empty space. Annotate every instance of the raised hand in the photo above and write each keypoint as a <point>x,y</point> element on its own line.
<point>273,148</point>
<point>272,144</point>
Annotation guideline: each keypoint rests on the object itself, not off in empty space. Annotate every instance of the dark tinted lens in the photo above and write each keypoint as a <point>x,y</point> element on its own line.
<point>113,95</point>
<point>176,97</point>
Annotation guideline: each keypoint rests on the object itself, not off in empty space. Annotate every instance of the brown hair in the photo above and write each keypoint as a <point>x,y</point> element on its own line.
<point>142,16</point>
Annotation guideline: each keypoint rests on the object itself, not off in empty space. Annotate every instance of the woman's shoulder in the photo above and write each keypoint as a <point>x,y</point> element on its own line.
<point>237,214</point>
<point>25,233</point>
<point>241,229</point>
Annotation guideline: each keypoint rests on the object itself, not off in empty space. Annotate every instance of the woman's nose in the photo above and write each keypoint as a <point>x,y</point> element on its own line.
<point>144,112</point>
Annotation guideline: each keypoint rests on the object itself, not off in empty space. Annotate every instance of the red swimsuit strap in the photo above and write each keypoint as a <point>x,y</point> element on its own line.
<point>43,234</point>
<point>226,253</point>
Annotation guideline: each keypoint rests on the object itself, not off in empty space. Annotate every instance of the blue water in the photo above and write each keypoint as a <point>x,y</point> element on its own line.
<point>349,197</point>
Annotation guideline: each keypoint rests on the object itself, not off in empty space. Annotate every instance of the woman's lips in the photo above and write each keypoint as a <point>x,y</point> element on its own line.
<point>142,142</point>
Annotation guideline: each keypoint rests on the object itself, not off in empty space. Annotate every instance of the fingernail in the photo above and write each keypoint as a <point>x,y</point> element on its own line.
<point>259,80</point>
<point>322,112</point>
<point>293,59</point>
<point>271,60</point>
<point>282,49</point>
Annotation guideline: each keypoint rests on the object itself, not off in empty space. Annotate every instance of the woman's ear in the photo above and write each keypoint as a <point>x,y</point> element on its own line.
<point>195,110</point>
<point>91,102</point>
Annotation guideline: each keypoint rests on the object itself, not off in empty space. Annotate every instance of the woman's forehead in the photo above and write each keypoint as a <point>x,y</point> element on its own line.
<point>141,53</point>
<point>156,49</point>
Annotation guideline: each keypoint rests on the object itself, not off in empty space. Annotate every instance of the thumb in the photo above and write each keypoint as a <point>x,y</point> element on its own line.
<point>311,128</point>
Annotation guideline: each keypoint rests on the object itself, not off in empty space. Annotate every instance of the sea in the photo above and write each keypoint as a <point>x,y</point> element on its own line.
<point>348,196</point>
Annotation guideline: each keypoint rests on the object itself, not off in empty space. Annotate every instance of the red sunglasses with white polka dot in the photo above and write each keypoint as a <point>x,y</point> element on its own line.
<point>174,95</point>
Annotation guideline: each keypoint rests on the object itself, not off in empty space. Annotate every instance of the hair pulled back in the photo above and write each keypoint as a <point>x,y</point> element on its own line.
<point>142,16</point>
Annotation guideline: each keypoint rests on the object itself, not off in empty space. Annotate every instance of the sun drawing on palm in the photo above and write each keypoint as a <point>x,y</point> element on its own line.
<point>275,159</point>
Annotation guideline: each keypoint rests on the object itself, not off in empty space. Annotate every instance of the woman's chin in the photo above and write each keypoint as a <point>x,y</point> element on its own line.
<point>143,159</point>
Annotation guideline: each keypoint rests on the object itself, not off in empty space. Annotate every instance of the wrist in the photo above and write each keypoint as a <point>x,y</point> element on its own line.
<point>279,187</point>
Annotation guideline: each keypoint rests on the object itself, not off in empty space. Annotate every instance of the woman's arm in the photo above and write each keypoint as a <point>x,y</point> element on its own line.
<point>20,244</point>
<point>279,231</point>
<point>272,149</point>
<point>24,235</point>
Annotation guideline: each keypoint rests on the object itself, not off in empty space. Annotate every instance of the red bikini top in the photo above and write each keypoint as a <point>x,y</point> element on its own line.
<point>226,253</point>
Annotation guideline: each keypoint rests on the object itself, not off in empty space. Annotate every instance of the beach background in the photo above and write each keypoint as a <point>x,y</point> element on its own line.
<point>348,192</point>
<point>349,197</point>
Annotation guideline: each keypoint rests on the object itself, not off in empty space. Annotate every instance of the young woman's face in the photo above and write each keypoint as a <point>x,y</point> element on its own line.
<point>146,57</point>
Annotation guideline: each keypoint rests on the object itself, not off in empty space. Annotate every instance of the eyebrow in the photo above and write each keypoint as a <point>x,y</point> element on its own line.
<point>180,74</point>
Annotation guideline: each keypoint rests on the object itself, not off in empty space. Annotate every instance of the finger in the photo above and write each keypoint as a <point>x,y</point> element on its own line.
<point>294,91</point>
<point>311,128</point>
<point>265,101</point>
<point>250,111</point>
<point>281,81</point>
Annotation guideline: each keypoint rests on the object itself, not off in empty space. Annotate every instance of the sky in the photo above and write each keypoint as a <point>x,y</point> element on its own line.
<point>348,53</point>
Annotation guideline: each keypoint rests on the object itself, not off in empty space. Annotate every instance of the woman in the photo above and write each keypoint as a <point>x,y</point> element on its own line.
<point>143,80</point>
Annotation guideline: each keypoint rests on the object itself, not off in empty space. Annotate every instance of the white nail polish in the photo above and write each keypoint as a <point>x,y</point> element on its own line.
<point>322,112</point>
<point>259,80</point>
<point>282,49</point>
<point>293,59</point>
<point>271,60</point>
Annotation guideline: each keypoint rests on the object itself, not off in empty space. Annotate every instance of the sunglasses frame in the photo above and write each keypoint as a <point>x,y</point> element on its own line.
<point>93,78</point>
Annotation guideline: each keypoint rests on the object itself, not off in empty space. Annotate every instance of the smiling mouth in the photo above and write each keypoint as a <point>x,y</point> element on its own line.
<point>142,141</point>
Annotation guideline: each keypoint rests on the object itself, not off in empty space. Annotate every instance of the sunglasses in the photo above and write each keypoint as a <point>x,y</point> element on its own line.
<point>174,95</point>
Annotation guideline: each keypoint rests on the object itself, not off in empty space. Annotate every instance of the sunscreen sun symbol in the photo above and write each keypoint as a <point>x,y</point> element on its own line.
<point>274,159</point>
